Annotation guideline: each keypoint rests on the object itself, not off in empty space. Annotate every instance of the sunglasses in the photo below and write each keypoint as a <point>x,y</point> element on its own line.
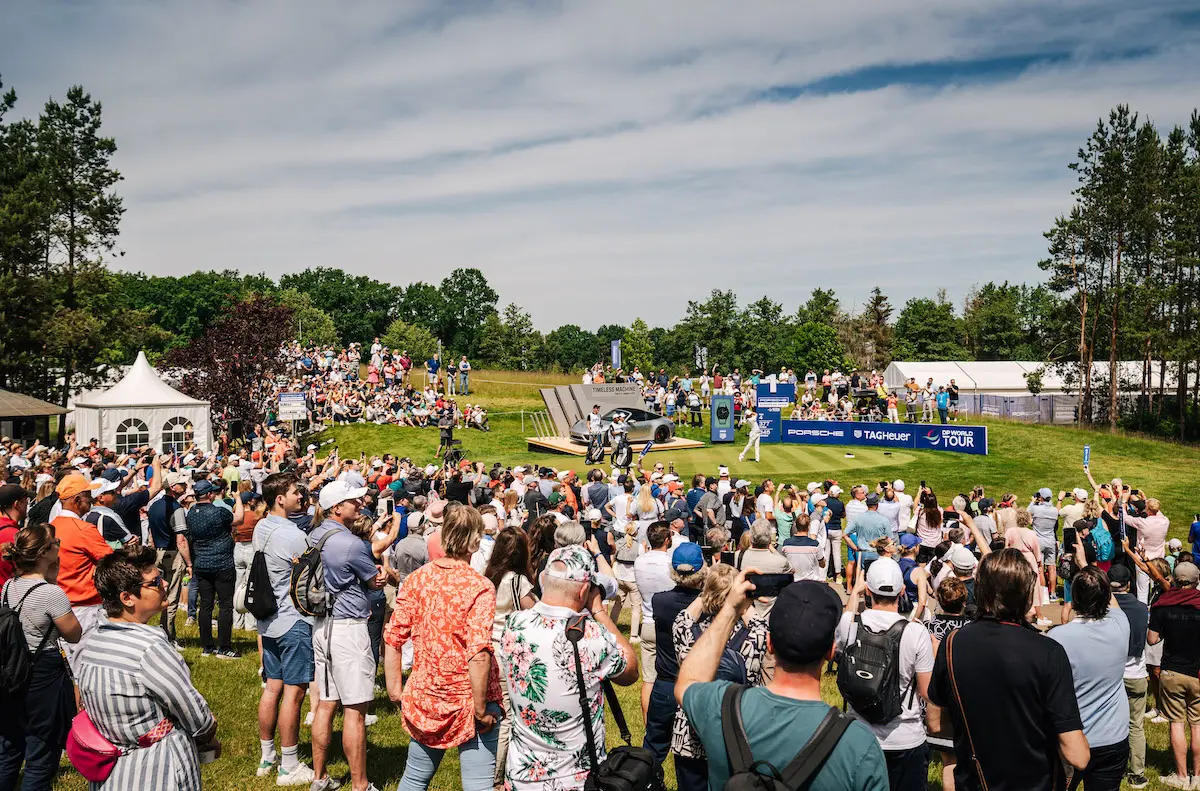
<point>157,582</point>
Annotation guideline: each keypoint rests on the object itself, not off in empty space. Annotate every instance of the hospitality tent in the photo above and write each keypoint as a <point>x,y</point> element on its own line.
<point>1009,378</point>
<point>142,409</point>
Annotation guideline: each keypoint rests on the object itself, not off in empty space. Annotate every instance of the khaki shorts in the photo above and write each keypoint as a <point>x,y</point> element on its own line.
<point>649,648</point>
<point>345,668</point>
<point>1179,699</point>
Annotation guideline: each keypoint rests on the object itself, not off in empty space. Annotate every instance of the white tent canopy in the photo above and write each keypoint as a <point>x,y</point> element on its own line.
<point>1008,378</point>
<point>142,409</point>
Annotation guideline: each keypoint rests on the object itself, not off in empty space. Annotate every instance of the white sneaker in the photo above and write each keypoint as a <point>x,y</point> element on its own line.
<point>302,775</point>
<point>265,768</point>
<point>1150,714</point>
<point>635,640</point>
<point>1159,720</point>
<point>308,719</point>
<point>370,720</point>
<point>1044,622</point>
<point>1175,781</point>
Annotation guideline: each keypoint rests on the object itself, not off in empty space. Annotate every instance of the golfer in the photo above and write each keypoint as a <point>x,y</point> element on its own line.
<point>751,417</point>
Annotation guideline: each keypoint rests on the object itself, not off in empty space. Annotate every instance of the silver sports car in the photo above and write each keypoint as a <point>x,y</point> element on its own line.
<point>643,426</point>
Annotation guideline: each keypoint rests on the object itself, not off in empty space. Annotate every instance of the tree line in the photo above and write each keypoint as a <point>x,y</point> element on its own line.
<point>1122,284</point>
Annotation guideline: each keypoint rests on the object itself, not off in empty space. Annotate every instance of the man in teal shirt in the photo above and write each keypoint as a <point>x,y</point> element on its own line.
<point>866,528</point>
<point>780,718</point>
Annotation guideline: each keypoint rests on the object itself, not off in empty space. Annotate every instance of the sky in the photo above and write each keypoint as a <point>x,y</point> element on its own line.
<point>601,161</point>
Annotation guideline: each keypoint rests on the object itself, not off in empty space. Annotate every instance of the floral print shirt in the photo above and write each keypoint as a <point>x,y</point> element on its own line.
<point>446,608</point>
<point>548,748</point>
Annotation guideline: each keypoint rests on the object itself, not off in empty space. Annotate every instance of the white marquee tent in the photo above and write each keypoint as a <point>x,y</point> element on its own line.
<point>1008,378</point>
<point>142,409</point>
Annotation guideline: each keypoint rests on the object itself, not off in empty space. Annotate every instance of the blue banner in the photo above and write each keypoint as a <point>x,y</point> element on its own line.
<point>616,353</point>
<point>956,439</point>
<point>768,422</point>
<point>773,396</point>
<point>721,419</point>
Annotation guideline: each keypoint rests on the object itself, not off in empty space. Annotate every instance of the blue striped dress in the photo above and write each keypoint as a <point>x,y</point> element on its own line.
<point>129,679</point>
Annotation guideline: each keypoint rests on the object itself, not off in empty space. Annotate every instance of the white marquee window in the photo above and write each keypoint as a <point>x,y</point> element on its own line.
<point>132,433</point>
<point>177,433</point>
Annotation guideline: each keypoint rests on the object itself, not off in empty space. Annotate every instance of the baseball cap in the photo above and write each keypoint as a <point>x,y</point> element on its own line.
<point>435,512</point>
<point>593,515</point>
<point>377,464</point>
<point>74,484</point>
<point>741,483</point>
<point>813,486</point>
<point>670,478</point>
<point>961,558</point>
<point>577,564</point>
<point>113,474</point>
<point>1187,573</point>
<point>709,481</point>
<point>11,494</point>
<point>556,498</point>
<point>908,540</point>
<point>1045,493</point>
<point>884,578</point>
<point>518,469</point>
<point>687,557</point>
<point>175,479</point>
<point>802,621</point>
<point>106,485</point>
<point>818,498</point>
<point>723,472</point>
<point>338,492</point>
<point>835,490</point>
<point>872,499</point>
<point>201,488</point>
<point>247,497</point>
<point>1119,576</point>
<point>986,503</point>
<point>898,485</point>
<point>1175,545</point>
<point>311,448</point>
<point>490,523</point>
<point>1080,493</point>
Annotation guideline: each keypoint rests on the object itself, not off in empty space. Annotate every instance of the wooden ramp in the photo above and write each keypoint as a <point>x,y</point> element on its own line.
<point>564,445</point>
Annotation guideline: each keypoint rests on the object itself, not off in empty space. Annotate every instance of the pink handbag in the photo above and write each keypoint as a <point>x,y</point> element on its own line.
<point>95,756</point>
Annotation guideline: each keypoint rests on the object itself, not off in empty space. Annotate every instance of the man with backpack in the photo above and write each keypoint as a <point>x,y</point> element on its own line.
<point>884,662</point>
<point>287,647</point>
<point>777,722</point>
<point>344,664</point>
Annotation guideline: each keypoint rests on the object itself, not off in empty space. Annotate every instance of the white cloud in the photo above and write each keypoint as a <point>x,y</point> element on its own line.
<point>556,146</point>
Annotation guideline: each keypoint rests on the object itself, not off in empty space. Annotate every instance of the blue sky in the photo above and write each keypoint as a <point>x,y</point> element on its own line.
<point>601,161</point>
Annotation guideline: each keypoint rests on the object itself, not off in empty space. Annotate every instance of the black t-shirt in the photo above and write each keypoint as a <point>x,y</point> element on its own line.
<point>1018,695</point>
<point>536,504</point>
<point>458,491</point>
<point>1179,627</point>
<point>129,509</point>
<point>837,512</point>
<point>39,512</point>
<point>665,606</point>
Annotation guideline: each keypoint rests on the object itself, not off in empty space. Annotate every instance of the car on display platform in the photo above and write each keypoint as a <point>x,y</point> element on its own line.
<point>644,426</point>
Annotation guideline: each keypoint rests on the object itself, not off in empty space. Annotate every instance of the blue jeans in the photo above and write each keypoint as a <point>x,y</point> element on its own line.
<point>476,758</point>
<point>193,588</point>
<point>462,384</point>
<point>40,757</point>
<point>660,717</point>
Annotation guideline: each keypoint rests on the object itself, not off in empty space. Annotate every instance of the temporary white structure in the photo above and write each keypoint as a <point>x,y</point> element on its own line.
<point>142,409</point>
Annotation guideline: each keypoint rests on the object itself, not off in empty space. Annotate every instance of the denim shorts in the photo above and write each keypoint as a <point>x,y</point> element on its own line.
<point>290,658</point>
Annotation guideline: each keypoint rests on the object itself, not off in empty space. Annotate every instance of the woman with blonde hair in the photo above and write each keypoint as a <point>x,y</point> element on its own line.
<point>742,662</point>
<point>452,698</point>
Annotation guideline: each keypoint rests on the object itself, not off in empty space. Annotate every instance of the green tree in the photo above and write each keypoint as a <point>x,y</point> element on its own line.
<point>815,345</point>
<point>522,342</point>
<point>992,322</point>
<point>762,333</point>
<point>604,338</point>
<point>467,300</point>
<point>713,324</point>
<point>309,324</point>
<point>569,347</point>
<point>417,341</point>
<point>422,304</point>
<point>636,347</point>
<point>868,337</point>
<point>84,219</point>
<point>491,341</point>
<point>928,330</point>
<point>361,308</point>
<point>822,307</point>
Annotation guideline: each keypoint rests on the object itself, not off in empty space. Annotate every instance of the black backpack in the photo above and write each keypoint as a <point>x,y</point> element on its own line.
<point>260,596</point>
<point>16,663</point>
<point>307,589</point>
<point>868,673</point>
<point>746,774</point>
<point>732,664</point>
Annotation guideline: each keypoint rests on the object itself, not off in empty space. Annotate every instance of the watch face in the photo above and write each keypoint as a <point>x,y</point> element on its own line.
<point>722,413</point>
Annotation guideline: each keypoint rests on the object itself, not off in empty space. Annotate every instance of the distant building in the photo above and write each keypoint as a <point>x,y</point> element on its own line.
<point>25,418</point>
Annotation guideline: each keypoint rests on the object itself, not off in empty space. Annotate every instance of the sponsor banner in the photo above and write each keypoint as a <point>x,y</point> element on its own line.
<point>292,406</point>
<point>616,353</point>
<point>721,422</point>
<point>773,395</point>
<point>956,439</point>
<point>768,424</point>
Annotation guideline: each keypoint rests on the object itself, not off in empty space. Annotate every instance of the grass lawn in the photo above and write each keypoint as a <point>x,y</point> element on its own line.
<point>1023,458</point>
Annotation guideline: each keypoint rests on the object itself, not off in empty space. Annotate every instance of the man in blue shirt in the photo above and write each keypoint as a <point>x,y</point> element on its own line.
<point>943,405</point>
<point>287,650</point>
<point>866,528</point>
<point>432,366</point>
<point>210,530</point>
<point>344,665</point>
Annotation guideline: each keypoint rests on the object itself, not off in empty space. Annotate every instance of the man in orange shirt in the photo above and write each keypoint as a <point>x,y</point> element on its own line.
<point>80,546</point>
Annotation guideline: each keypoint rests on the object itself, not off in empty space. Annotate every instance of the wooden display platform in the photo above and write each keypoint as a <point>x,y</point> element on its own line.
<point>565,445</point>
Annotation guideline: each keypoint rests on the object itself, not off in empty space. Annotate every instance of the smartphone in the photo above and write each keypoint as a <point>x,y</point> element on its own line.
<point>1069,539</point>
<point>922,484</point>
<point>389,506</point>
<point>769,584</point>
<point>728,559</point>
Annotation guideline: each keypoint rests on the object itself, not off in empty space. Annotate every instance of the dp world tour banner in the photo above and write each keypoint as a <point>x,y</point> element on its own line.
<point>957,439</point>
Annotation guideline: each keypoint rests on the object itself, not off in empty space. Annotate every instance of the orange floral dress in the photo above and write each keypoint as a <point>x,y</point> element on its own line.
<point>446,608</point>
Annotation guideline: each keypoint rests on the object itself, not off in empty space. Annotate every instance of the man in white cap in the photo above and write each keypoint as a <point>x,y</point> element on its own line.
<point>724,485</point>
<point>903,737</point>
<point>1072,511</point>
<point>345,667</point>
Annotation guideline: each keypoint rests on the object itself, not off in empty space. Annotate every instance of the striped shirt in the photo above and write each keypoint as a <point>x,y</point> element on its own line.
<point>130,679</point>
<point>41,607</point>
<point>804,554</point>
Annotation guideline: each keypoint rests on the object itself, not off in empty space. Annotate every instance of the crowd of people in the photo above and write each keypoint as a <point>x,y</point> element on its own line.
<point>1019,639</point>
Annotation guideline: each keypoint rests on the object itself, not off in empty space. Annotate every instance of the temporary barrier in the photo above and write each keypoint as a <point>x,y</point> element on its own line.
<point>953,438</point>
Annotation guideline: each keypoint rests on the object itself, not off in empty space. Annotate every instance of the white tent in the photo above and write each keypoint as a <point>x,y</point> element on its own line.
<point>142,409</point>
<point>1008,378</point>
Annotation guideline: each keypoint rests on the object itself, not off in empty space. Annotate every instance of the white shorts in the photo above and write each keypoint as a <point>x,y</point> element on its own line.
<point>343,648</point>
